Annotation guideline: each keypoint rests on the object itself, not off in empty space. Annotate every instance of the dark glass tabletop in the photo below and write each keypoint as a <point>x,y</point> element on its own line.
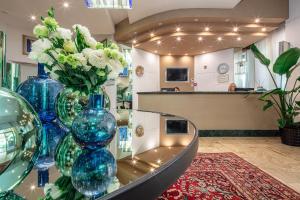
<point>145,145</point>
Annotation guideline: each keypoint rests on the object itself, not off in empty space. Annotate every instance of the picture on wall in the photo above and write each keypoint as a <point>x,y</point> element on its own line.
<point>27,44</point>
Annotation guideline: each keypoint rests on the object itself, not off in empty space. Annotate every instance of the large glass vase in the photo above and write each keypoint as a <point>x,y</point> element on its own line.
<point>70,102</point>
<point>41,92</point>
<point>20,139</point>
<point>94,127</point>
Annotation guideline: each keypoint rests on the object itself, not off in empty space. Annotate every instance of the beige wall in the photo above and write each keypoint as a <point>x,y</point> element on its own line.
<point>174,139</point>
<point>176,61</point>
<point>214,111</point>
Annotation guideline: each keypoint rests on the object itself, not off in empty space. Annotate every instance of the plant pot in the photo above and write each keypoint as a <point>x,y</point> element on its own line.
<point>290,135</point>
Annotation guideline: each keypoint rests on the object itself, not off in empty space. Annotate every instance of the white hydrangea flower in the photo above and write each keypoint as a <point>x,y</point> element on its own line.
<point>95,57</point>
<point>38,51</point>
<point>83,61</point>
<point>62,33</point>
<point>116,68</point>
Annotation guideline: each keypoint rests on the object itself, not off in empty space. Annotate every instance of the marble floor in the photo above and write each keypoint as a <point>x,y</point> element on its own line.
<point>280,161</point>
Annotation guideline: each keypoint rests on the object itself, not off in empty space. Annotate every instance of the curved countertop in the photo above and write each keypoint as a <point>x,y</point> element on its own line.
<point>202,92</point>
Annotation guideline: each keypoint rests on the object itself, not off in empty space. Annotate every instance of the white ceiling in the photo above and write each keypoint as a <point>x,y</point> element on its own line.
<point>17,13</point>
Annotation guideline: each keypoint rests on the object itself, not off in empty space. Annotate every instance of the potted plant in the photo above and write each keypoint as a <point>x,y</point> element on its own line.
<point>283,99</point>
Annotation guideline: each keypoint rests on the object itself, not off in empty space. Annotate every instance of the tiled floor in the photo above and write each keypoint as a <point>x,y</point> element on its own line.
<point>280,161</point>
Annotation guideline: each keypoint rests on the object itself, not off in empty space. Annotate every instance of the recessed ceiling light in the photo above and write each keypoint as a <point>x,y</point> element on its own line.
<point>32,187</point>
<point>158,42</point>
<point>257,20</point>
<point>155,51</point>
<point>178,39</point>
<point>200,38</point>
<point>220,38</point>
<point>160,24</point>
<point>264,29</point>
<point>134,41</point>
<point>207,29</point>
<point>158,161</point>
<point>196,20</point>
<point>178,29</point>
<point>152,34</point>
<point>203,51</point>
<point>66,5</point>
<point>239,39</point>
<point>186,54</point>
<point>169,54</point>
<point>33,17</point>
<point>134,162</point>
<point>235,29</point>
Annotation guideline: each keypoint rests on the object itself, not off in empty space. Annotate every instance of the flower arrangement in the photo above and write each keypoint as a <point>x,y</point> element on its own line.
<point>75,58</point>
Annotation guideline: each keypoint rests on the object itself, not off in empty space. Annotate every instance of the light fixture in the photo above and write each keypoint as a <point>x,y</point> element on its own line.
<point>203,51</point>
<point>66,4</point>
<point>158,42</point>
<point>124,4</point>
<point>155,150</point>
<point>134,41</point>
<point>196,20</point>
<point>207,29</point>
<point>186,54</point>
<point>151,169</point>
<point>264,29</point>
<point>155,51</point>
<point>32,187</point>
<point>200,38</point>
<point>33,17</point>
<point>158,161</point>
<point>178,39</point>
<point>169,54</point>
<point>178,29</point>
<point>219,38</point>
<point>239,39</point>
<point>152,34</point>
<point>235,29</point>
<point>257,20</point>
<point>134,162</point>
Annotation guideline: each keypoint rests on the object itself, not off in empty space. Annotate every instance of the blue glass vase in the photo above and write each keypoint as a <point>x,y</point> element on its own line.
<point>93,172</point>
<point>51,136</point>
<point>94,127</point>
<point>41,91</point>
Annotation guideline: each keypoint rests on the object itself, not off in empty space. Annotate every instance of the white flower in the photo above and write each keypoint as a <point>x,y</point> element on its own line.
<point>87,35</point>
<point>39,48</point>
<point>62,33</point>
<point>95,57</point>
<point>116,68</point>
<point>82,60</point>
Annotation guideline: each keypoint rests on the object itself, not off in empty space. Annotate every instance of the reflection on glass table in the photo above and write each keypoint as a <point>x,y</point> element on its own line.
<point>134,156</point>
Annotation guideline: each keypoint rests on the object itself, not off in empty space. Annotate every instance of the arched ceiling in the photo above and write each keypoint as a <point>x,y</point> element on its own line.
<point>146,8</point>
<point>183,31</point>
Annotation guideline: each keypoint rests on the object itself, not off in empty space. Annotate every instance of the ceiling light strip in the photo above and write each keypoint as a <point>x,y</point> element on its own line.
<point>114,4</point>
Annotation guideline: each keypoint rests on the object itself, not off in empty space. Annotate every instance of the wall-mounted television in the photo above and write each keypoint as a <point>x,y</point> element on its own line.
<point>176,126</point>
<point>177,74</point>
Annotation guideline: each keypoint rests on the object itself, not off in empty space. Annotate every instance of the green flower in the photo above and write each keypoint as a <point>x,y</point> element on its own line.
<point>114,46</point>
<point>71,60</point>
<point>101,73</point>
<point>51,23</point>
<point>107,52</point>
<point>99,45</point>
<point>122,61</point>
<point>62,58</point>
<point>114,54</point>
<point>40,31</point>
<point>69,46</point>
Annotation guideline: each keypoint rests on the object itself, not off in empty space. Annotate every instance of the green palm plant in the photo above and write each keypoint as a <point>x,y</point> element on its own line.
<point>283,99</point>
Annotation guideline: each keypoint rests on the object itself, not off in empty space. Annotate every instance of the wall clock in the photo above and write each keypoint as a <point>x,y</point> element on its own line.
<point>139,71</point>
<point>223,68</point>
<point>139,131</point>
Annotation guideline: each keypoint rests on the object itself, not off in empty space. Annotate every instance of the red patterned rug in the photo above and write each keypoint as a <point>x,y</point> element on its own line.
<point>220,176</point>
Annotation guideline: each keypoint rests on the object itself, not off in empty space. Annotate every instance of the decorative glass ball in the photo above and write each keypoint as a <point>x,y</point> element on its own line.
<point>93,172</point>
<point>41,92</point>
<point>94,127</point>
<point>66,153</point>
<point>20,139</point>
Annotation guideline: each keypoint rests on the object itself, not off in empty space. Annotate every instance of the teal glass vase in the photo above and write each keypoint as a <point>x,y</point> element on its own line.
<point>20,139</point>
<point>41,92</point>
<point>93,172</point>
<point>70,102</point>
<point>94,127</point>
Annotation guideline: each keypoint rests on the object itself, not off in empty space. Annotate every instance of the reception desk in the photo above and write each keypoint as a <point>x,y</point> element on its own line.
<point>215,113</point>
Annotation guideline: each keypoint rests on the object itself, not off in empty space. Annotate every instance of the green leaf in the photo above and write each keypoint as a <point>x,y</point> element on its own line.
<point>268,105</point>
<point>266,95</point>
<point>263,60</point>
<point>286,61</point>
<point>51,12</point>
<point>281,123</point>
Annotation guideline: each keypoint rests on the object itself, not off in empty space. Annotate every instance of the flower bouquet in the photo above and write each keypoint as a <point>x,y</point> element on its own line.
<point>75,58</point>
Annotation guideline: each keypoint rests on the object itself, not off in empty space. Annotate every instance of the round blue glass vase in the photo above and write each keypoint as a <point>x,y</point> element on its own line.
<point>20,139</point>
<point>52,134</point>
<point>41,92</point>
<point>94,127</point>
<point>93,172</point>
